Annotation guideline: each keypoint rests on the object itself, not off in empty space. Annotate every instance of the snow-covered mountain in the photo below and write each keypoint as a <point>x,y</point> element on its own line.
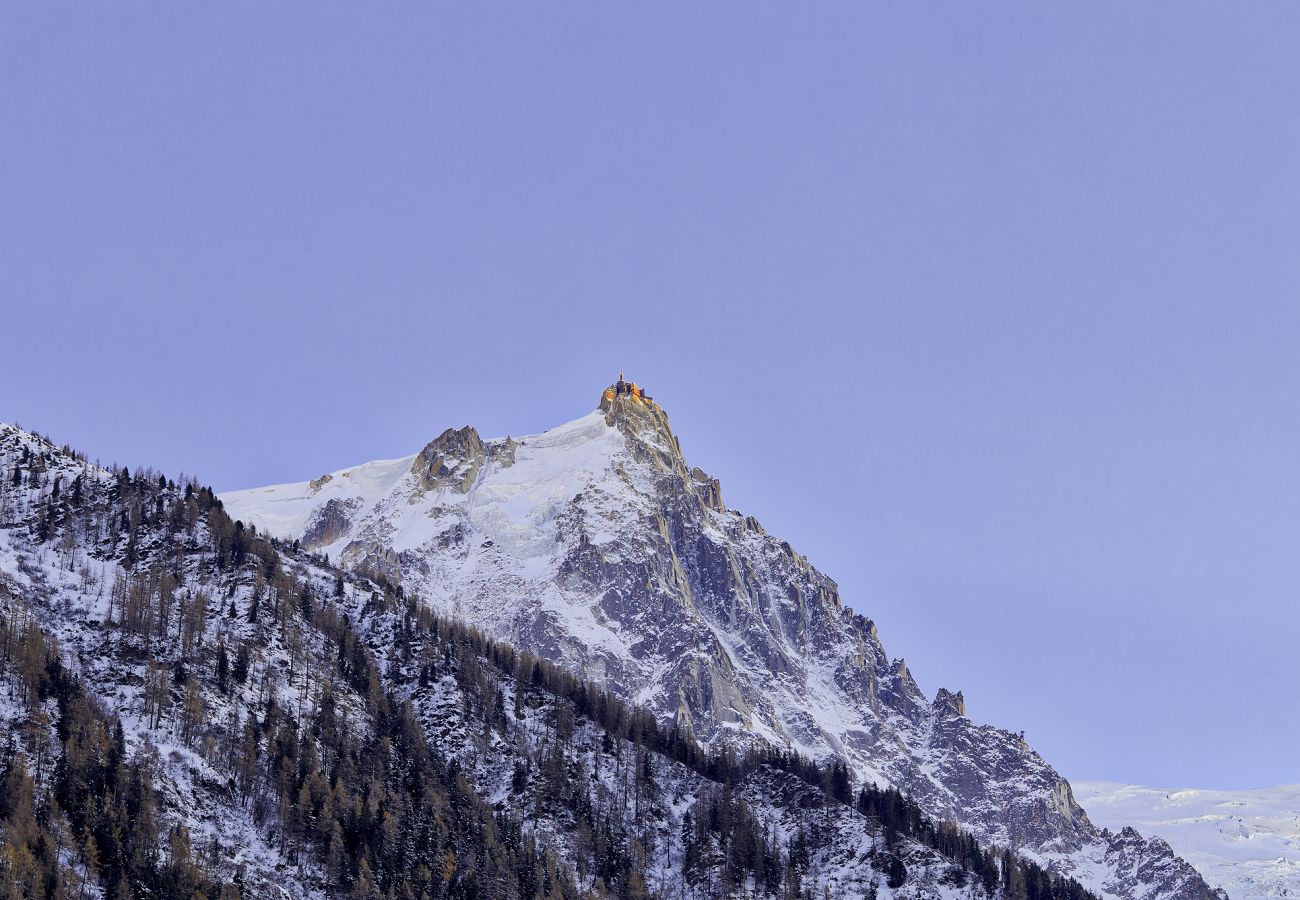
<point>1246,842</point>
<point>597,546</point>
<point>190,709</point>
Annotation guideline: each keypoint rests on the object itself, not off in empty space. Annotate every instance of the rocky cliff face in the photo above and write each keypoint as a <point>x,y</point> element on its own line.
<point>598,546</point>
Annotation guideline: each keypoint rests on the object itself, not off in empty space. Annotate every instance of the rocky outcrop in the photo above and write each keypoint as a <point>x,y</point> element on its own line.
<point>329,522</point>
<point>502,452</point>
<point>952,704</point>
<point>709,490</point>
<point>645,423</point>
<point>372,561</point>
<point>452,460</point>
<point>1135,864</point>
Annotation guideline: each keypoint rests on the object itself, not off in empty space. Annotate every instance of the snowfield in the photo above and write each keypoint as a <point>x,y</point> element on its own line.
<point>1246,842</point>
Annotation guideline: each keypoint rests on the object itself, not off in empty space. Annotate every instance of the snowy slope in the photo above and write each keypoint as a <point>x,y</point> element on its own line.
<point>596,545</point>
<point>69,583</point>
<point>1247,842</point>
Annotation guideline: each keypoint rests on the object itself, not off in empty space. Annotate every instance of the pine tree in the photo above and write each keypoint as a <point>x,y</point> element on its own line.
<point>223,669</point>
<point>242,663</point>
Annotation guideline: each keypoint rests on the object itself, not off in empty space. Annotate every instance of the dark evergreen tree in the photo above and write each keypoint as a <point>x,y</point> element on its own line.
<point>223,669</point>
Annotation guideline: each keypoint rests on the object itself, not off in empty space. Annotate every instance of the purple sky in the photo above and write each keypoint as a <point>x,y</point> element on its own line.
<point>993,311</point>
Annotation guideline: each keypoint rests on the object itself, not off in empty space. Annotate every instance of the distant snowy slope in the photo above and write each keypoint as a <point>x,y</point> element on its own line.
<point>1246,842</point>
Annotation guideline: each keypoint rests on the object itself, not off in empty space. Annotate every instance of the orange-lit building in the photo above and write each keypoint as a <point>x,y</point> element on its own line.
<point>630,388</point>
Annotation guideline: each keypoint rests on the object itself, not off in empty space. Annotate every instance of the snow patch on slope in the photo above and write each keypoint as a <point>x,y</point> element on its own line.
<point>514,505</point>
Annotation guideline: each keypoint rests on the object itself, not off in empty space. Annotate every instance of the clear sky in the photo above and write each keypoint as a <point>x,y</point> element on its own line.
<point>992,310</point>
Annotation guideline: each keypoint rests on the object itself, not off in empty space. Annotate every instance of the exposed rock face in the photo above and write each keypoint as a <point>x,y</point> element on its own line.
<point>452,459</point>
<point>1131,859</point>
<point>954,704</point>
<point>503,452</point>
<point>329,523</point>
<point>596,545</point>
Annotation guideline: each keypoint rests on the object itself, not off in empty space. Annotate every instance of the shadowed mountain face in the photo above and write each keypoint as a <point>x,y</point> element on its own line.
<point>596,545</point>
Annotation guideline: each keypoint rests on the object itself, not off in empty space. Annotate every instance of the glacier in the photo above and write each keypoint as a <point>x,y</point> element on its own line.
<point>1246,842</point>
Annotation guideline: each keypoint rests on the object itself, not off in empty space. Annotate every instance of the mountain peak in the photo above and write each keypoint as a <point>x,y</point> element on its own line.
<point>629,408</point>
<point>595,545</point>
<point>452,459</point>
<point>627,394</point>
<point>950,703</point>
<point>629,389</point>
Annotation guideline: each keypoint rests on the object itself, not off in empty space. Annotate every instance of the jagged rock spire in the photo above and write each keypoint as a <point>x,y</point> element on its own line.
<point>452,459</point>
<point>629,408</point>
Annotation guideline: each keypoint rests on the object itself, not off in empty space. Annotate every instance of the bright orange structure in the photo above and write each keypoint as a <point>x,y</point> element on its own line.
<point>627,389</point>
